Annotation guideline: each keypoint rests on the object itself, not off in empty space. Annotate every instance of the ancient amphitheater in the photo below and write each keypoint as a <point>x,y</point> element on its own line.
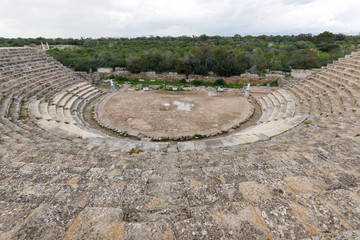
<point>293,175</point>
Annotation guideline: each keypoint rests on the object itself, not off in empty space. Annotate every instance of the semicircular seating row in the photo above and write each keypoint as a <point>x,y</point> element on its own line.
<point>41,100</point>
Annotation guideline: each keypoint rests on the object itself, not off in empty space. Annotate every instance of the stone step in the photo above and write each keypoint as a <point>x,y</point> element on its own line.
<point>44,111</point>
<point>33,109</point>
<point>61,115</point>
<point>59,96</point>
<point>276,105</point>
<point>268,111</point>
<point>290,103</point>
<point>64,130</point>
<point>83,94</point>
<point>283,104</point>
<point>68,116</point>
<point>77,92</point>
<point>79,106</point>
<point>267,130</point>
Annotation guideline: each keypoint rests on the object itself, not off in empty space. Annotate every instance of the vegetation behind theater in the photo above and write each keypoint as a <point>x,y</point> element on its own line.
<point>223,56</point>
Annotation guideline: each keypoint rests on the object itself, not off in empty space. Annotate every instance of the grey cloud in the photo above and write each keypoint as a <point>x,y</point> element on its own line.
<point>96,18</point>
<point>298,2</point>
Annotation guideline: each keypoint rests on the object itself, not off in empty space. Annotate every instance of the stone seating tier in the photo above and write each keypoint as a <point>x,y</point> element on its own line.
<point>276,105</point>
<point>308,100</point>
<point>78,107</point>
<point>267,109</point>
<point>349,66</point>
<point>326,98</point>
<point>68,181</point>
<point>312,96</point>
<point>57,98</point>
<point>77,93</point>
<point>344,83</point>
<point>54,110</point>
<point>24,80</point>
<point>340,91</point>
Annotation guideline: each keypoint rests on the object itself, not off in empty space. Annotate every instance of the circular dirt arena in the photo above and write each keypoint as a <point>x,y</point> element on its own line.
<point>172,115</point>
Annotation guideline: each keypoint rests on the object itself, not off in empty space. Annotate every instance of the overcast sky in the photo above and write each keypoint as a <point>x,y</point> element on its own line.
<point>132,18</point>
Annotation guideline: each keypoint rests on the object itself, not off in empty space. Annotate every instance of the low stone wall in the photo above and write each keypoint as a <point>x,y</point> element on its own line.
<point>83,75</point>
<point>242,79</point>
<point>125,133</point>
<point>301,73</point>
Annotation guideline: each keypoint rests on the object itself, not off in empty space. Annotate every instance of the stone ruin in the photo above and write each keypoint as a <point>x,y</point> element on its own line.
<point>295,174</point>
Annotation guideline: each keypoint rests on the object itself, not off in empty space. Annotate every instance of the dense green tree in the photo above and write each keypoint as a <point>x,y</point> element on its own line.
<point>325,37</point>
<point>225,56</point>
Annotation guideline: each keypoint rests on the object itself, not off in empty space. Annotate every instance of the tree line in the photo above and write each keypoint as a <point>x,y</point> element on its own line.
<point>224,56</point>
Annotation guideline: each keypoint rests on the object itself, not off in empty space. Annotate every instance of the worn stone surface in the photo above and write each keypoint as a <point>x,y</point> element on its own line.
<point>302,184</point>
<point>236,193</point>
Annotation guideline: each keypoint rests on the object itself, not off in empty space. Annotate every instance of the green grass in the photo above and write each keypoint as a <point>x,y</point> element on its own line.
<point>135,151</point>
<point>307,122</point>
<point>272,84</point>
<point>196,135</point>
<point>22,117</point>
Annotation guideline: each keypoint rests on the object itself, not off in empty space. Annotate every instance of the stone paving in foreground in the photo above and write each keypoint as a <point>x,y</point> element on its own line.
<point>301,184</point>
<point>281,188</point>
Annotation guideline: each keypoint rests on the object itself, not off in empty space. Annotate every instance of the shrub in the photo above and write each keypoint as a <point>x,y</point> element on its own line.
<point>197,82</point>
<point>121,78</point>
<point>220,82</point>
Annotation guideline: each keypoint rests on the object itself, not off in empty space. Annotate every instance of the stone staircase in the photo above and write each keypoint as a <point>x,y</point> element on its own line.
<point>55,115</point>
<point>53,103</point>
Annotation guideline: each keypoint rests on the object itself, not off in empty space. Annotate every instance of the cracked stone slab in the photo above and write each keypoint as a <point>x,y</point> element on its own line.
<point>279,219</point>
<point>47,222</point>
<point>186,146</point>
<point>317,216</point>
<point>97,223</point>
<point>12,216</point>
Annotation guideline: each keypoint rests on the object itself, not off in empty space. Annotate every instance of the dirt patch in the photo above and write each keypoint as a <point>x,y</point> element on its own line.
<point>173,114</point>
